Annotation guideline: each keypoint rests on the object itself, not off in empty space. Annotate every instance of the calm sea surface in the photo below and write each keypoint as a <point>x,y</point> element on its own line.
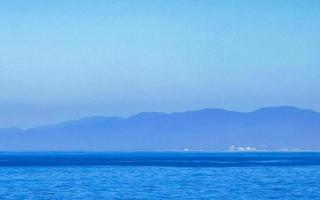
<point>160,175</point>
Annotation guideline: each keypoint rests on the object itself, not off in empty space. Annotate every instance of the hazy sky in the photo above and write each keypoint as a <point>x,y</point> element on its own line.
<point>69,59</point>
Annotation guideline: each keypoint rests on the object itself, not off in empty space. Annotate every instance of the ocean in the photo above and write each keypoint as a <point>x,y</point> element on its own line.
<point>159,175</point>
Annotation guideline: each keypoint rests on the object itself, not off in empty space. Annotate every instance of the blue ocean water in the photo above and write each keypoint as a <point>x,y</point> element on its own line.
<point>160,175</point>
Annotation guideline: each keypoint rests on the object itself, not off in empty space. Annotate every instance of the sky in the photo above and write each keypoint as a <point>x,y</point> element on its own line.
<point>63,60</point>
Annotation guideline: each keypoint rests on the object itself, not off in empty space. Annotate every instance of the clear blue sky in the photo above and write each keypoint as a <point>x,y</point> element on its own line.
<point>69,59</point>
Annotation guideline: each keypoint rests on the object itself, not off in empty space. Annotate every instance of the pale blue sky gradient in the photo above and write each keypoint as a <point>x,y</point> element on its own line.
<point>69,59</point>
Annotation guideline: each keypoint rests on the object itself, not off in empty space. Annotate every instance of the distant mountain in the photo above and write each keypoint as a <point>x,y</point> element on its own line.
<point>208,129</point>
<point>11,130</point>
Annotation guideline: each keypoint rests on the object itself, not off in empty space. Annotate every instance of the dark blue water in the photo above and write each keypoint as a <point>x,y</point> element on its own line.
<point>160,175</point>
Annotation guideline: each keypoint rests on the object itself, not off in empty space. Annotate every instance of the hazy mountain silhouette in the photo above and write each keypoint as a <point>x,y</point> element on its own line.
<point>208,129</point>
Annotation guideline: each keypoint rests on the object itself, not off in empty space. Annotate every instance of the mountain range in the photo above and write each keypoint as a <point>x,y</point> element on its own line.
<point>208,129</point>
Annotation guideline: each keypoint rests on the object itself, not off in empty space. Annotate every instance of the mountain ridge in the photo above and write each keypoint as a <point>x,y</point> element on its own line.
<point>207,129</point>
